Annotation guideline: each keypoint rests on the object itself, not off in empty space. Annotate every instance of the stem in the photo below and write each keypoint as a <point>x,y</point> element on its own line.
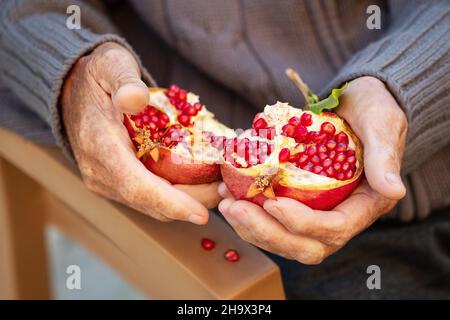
<point>310,97</point>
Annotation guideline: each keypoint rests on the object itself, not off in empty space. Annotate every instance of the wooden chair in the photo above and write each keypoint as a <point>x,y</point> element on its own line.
<point>38,186</point>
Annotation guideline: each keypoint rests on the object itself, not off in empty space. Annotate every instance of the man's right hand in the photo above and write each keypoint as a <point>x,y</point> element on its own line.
<point>100,88</point>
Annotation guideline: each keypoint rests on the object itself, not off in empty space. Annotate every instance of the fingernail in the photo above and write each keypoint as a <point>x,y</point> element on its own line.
<point>393,179</point>
<point>197,219</point>
<point>222,189</point>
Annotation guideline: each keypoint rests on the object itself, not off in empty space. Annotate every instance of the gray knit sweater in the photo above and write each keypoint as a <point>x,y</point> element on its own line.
<point>234,54</point>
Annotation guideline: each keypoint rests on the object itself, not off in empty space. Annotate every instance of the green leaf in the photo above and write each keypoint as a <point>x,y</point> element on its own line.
<point>328,103</point>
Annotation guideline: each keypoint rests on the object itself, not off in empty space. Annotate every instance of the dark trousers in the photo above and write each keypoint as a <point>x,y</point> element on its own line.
<point>414,261</point>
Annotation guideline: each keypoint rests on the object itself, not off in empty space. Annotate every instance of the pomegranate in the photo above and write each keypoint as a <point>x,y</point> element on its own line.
<point>232,255</point>
<point>173,137</point>
<point>313,157</point>
<point>208,244</point>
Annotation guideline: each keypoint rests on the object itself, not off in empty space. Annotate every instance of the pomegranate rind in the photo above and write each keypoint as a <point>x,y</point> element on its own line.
<point>320,197</point>
<point>176,168</point>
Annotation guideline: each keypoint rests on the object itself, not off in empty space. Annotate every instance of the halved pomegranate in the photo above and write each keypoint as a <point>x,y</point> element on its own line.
<point>173,137</point>
<point>312,157</point>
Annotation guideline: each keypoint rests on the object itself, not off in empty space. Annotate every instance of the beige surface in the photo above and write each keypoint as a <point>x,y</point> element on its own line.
<point>164,260</point>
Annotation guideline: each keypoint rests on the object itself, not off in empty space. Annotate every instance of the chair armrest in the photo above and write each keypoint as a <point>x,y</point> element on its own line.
<point>168,255</point>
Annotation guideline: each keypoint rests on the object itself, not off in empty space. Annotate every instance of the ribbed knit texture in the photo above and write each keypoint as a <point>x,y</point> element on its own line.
<point>413,60</point>
<point>36,53</point>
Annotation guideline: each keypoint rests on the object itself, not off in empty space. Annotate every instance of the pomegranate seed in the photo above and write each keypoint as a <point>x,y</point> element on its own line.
<point>154,119</point>
<point>171,94</point>
<point>270,133</point>
<point>320,138</point>
<point>336,166</point>
<point>198,106</point>
<point>208,244</point>
<point>154,135</point>
<point>332,154</point>
<point>330,172</point>
<point>184,119</point>
<point>152,126</point>
<point>182,94</point>
<point>231,255</point>
<point>138,122</point>
<point>145,119</point>
<point>167,141</point>
<point>161,124</point>
<point>267,133</point>
<point>301,133</point>
<point>284,155</point>
<point>349,174</point>
<point>340,157</point>
<point>321,148</point>
<point>327,162</point>
<point>312,150</point>
<point>345,166</point>
<point>173,102</point>
<point>295,121</point>
<point>351,159</point>
<point>174,88</point>
<point>306,119</point>
<point>341,147</point>
<point>350,153</point>
<point>342,137</point>
<point>317,169</point>
<point>340,176</point>
<point>308,167</point>
<point>323,156</point>
<point>331,144</point>
<point>260,124</point>
<point>328,128</point>
<point>289,130</point>
<point>151,111</point>
<point>315,159</point>
<point>164,117</point>
<point>302,159</point>
<point>191,111</point>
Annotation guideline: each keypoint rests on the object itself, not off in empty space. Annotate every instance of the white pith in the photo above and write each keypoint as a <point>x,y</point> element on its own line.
<point>277,116</point>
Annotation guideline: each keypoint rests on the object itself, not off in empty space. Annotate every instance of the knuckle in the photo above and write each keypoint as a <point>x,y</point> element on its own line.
<point>311,255</point>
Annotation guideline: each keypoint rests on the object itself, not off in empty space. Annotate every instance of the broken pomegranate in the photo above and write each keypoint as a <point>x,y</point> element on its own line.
<point>173,137</point>
<point>312,156</point>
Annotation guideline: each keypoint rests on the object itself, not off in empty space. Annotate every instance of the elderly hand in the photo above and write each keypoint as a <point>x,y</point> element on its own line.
<point>295,231</point>
<point>101,87</point>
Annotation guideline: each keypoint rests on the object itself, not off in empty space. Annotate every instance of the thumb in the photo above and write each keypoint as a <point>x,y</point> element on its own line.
<point>382,169</point>
<point>118,73</point>
<point>131,95</point>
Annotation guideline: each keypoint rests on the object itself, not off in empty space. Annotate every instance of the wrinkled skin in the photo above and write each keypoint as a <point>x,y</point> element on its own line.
<point>100,88</point>
<point>293,230</point>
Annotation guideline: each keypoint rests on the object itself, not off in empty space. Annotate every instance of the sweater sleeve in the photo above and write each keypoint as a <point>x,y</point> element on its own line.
<point>37,50</point>
<point>413,60</point>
